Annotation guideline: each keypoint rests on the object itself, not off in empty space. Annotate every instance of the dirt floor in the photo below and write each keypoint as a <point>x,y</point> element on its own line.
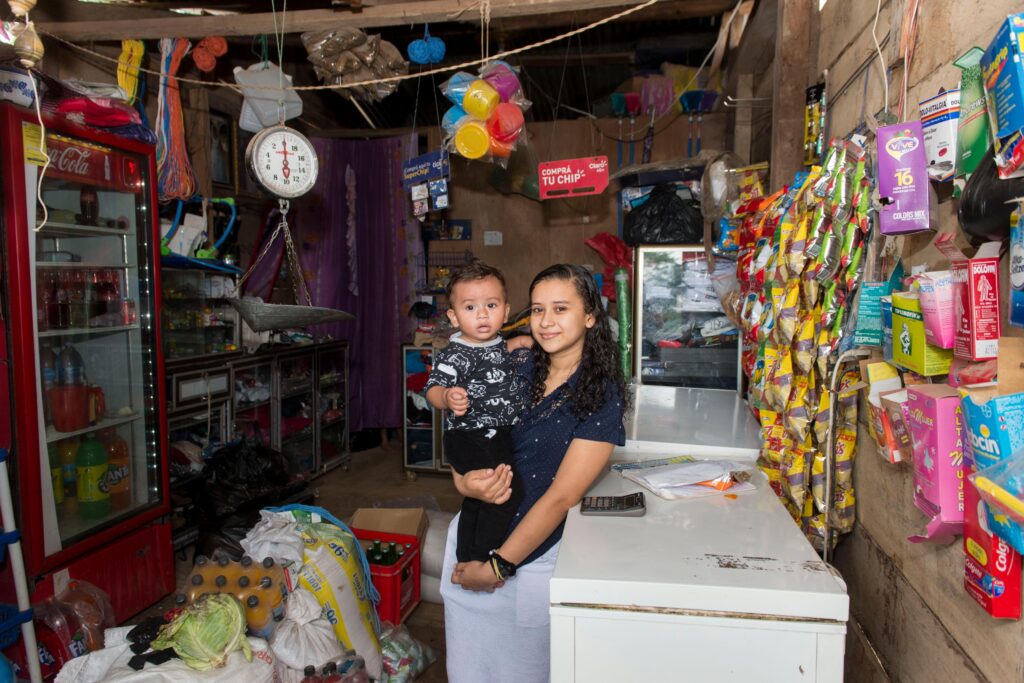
<point>375,478</point>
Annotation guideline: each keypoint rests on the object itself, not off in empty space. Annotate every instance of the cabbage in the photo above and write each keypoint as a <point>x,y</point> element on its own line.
<point>206,632</point>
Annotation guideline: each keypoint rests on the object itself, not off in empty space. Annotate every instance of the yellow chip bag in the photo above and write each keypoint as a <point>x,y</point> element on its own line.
<point>844,510</point>
<point>844,451</point>
<point>799,413</point>
<point>821,416</point>
<point>779,385</point>
<point>804,342</point>
<point>818,479</point>
<point>786,320</point>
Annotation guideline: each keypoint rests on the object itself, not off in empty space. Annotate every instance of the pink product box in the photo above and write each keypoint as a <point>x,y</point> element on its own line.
<point>936,430</point>
<point>937,307</point>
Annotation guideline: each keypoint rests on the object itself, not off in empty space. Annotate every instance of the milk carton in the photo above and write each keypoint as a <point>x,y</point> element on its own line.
<point>936,431</point>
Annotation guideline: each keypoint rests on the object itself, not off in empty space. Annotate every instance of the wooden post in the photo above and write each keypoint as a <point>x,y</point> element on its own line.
<point>792,56</point>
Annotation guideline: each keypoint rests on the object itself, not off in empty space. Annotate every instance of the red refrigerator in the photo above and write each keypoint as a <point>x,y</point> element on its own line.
<point>81,314</point>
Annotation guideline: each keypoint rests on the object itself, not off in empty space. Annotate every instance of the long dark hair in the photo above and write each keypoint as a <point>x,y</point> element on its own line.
<point>599,367</point>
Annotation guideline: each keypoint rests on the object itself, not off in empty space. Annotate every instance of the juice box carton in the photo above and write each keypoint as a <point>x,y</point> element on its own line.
<point>992,569</point>
<point>1002,74</point>
<point>936,430</point>
<point>976,311</point>
<point>910,348</point>
<point>894,403</point>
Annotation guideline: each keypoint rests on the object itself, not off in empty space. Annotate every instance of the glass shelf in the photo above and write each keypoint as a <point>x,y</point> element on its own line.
<point>84,331</point>
<point>52,435</point>
<point>75,230</point>
<point>82,265</point>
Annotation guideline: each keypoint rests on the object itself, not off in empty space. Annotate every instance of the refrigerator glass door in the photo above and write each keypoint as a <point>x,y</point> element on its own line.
<point>683,338</point>
<point>96,343</point>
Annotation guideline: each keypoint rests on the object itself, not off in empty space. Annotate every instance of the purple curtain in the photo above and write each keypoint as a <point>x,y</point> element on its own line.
<point>350,232</point>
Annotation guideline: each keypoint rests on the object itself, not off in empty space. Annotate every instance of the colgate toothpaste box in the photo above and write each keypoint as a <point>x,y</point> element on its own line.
<point>992,574</point>
<point>936,431</point>
<point>994,429</point>
<point>975,299</point>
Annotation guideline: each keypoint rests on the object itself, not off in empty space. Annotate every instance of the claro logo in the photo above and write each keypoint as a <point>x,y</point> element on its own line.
<point>984,442</point>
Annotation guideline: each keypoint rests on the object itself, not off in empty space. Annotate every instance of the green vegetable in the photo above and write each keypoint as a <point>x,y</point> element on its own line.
<point>206,632</point>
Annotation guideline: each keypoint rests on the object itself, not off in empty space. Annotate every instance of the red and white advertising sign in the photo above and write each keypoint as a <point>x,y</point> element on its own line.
<point>103,167</point>
<point>572,177</point>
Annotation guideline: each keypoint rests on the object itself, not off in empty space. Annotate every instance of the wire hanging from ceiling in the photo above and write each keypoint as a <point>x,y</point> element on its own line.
<point>503,55</point>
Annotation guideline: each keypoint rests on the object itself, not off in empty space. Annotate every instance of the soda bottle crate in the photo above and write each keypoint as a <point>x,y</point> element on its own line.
<point>398,583</point>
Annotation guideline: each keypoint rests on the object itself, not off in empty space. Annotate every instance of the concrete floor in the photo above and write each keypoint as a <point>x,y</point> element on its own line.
<point>375,477</point>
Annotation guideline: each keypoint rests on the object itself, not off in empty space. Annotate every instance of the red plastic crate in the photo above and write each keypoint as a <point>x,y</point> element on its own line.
<point>399,583</point>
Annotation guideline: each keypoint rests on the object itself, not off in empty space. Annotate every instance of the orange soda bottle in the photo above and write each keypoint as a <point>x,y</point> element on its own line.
<point>119,483</point>
<point>258,617</point>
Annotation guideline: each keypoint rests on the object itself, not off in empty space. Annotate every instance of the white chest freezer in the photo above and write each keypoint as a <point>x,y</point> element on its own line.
<point>718,588</point>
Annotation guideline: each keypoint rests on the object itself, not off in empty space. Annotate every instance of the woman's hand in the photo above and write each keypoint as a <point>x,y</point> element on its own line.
<point>476,576</point>
<point>491,485</point>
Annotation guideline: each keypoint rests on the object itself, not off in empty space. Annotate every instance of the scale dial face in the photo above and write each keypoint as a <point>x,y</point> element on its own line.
<point>283,161</point>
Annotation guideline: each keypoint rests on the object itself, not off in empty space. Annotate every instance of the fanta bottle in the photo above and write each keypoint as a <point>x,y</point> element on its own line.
<point>119,484</point>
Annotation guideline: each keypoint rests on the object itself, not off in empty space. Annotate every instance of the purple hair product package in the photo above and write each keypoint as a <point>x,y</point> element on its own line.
<point>902,179</point>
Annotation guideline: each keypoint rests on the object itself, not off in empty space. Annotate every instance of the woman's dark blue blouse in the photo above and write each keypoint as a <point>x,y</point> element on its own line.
<point>543,434</point>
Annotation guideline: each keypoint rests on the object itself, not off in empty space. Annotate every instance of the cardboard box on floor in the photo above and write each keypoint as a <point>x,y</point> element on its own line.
<point>408,521</point>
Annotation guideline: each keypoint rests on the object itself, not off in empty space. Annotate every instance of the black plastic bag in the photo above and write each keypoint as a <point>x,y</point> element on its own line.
<point>243,473</point>
<point>984,214</point>
<point>665,218</point>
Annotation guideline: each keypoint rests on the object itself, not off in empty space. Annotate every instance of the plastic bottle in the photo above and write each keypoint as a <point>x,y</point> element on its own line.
<point>258,617</point>
<point>43,293</point>
<point>270,595</point>
<point>93,609</point>
<point>330,673</point>
<point>91,468</point>
<point>276,574</point>
<point>56,476</point>
<point>48,377</point>
<point>221,582</point>
<point>57,310</point>
<point>309,675</point>
<point>119,473</point>
<point>180,600</point>
<point>67,450</point>
<point>196,587</point>
<point>70,366</point>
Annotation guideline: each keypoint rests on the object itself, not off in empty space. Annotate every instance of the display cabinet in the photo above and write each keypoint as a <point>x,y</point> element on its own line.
<point>296,414</point>
<point>682,336</point>
<point>196,318</point>
<point>252,401</point>
<point>422,447</point>
<point>332,406</point>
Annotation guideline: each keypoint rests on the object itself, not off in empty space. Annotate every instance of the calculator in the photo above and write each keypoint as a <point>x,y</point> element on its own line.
<point>630,505</point>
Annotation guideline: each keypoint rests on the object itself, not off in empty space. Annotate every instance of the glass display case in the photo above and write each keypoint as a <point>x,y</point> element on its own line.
<point>421,435</point>
<point>192,437</point>
<point>296,436</point>
<point>252,401</point>
<point>682,336</point>
<point>196,318</point>
<point>332,403</point>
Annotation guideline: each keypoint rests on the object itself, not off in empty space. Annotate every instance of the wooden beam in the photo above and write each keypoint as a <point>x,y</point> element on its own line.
<point>408,12</point>
<point>792,55</point>
<point>758,42</point>
<point>666,10</point>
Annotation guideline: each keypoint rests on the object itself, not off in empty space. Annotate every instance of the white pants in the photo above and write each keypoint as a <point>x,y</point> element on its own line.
<point>499,637</point>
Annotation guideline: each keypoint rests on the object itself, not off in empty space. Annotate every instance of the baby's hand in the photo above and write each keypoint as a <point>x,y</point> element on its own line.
<point>523,341</point>
<point>456,400</point>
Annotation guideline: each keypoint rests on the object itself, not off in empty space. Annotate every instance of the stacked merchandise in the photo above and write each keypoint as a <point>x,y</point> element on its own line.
<point>799,266</point>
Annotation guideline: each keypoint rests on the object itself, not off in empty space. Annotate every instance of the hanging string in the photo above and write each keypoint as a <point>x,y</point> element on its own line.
<point>279,37</point>
<point>128,67</point>
<point>464,66</point>
<point>175,179</point>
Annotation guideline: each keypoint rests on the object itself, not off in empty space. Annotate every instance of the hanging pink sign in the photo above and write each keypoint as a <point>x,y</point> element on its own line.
<point>572,177</point>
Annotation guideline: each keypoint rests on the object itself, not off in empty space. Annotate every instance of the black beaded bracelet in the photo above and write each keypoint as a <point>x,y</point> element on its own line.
<point>503,569</point>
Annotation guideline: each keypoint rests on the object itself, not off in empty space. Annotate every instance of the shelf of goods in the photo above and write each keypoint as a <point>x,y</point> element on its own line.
<point>423,426</point>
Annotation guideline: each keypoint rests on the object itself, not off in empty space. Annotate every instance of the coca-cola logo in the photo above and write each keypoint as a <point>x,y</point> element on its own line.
<point>73,160</point>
